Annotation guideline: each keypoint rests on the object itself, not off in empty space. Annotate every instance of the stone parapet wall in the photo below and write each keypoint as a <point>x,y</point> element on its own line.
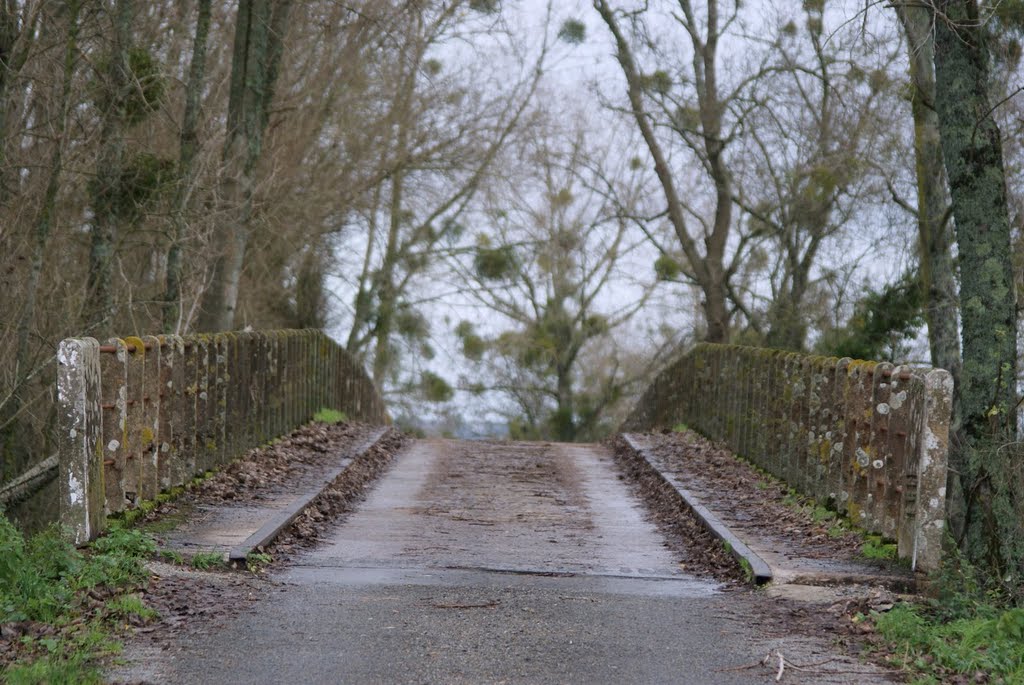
<point>868,438</point>
<point>138,416</point>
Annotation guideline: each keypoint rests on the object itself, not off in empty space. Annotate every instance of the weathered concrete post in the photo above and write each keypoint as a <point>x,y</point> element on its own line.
<point>233,442</point>
<point>80,446</point>
<point>203,427</point>
<point>838,437</point>
<point>253,402</point>
<point>149,429</point>
<point>880,472</point>
<point>189,416</point>
<point>931,478</point>
<point>131,478</point>
<point>114,403</point>
<point>906,389</point>
<point>219,398</point>
<point>171,466</point>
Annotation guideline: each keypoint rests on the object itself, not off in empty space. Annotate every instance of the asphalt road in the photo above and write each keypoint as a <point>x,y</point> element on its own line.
<point>495,563</point>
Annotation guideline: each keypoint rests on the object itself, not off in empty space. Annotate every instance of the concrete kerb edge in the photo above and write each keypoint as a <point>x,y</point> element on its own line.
<point>272,528</point>
<point>761,572</point>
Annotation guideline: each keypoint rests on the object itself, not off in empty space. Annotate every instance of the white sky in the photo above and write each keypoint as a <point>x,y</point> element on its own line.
<point>572,77</point>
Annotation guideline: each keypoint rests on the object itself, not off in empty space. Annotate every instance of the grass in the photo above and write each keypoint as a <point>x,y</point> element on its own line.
<point>207,560</point>
<point>45,586</point>
<point>255,561</point>
<point>933,648</point>
<point>876,548</point>
<point>326,415</point>
<point>970,625</point>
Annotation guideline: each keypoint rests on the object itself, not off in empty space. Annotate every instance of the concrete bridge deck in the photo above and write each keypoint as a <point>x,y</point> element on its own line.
<point>496,563</point>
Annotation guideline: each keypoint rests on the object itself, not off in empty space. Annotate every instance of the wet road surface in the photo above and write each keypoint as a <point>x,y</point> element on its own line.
<point>475,562</point>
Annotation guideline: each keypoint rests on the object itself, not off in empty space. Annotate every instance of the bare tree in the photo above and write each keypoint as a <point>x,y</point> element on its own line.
<point>260,29</point>
<point>805,176</point>
<point>440,139</point>
<point>548,262</point>
<point>932,209</point>
<point>186,168</point>
<point>703,115</point>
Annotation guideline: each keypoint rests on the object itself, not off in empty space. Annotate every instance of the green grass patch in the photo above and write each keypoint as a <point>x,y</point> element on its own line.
<point>172,557</point>
<point>934,648</point>
<point>128,606</point>
<point>49,587</point>
<point>971,624</point>
<point>166,523</point>
<point>326,415</point>
<point>820,514</point>
<point>876,548</point>
<point>207,560</point>
<point>680,428</point>
<point>255,561</point>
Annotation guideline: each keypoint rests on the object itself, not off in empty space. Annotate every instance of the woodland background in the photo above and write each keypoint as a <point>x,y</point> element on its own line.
<point>517,212</point>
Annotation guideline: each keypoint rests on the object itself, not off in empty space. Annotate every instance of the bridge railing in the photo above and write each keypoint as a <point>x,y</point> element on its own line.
<point>869,438</point>
<point>137,416</point>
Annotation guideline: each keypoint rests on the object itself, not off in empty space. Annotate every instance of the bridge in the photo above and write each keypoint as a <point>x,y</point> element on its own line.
<point>499,561</point>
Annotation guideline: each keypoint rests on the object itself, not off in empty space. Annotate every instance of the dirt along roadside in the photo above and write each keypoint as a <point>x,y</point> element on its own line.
<point>827,584</point>
<point>193,594</point>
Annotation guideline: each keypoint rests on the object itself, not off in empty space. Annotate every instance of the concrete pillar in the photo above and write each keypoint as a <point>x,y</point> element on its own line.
<point>114,403</point>
<point>933,446</point>
<point>131,478</point>
<point>80,447</point>
<point>219,360</point>
<point>204,429</point>
<point>881,486</point>
<point>232,391</point>
<point>149,430</point>
<point>906,396</point>
<point>190,444</point>
<point>171,465</point>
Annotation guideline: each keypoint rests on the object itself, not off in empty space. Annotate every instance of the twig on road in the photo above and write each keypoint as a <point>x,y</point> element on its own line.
<point>483,605</point>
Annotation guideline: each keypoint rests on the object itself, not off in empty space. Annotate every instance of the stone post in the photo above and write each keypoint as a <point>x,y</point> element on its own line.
<point>149,429</point>
<point>114,403</point>
<point>80,446</point>
<point>204,432</point>
<point>171,466</point>
<point>881,481</point>
<point>189,418</point>
<point>933,446</point>
<point>219,360</point>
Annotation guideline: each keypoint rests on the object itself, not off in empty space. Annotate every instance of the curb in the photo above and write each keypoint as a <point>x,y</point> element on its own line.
<point>272,528</point>
<point>760,571</point>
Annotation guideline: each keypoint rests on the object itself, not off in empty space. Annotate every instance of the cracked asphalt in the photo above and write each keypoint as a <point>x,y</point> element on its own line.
<point>486,562</point>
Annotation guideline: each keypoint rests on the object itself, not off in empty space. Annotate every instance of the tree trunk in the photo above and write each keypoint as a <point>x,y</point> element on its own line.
<point>18,27</point>
<point>385,278</point>
<point>15,457</point>
<point>108,188</point>
<point>787,329</point>
<point>310,304</point>
<point>564,419</point>
<point>188,146</point>
<point>708,268</point>
<point>972,150</point>
<point>938,271</point>
<point>259,33</point>
<point>716,312</point>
